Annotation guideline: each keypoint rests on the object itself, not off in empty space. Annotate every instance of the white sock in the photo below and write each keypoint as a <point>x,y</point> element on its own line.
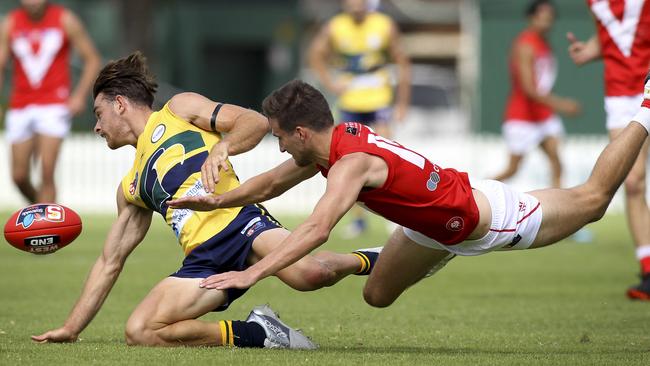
<point>642,251</point>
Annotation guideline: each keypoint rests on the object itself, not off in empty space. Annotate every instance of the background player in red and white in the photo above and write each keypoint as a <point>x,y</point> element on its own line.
<point>38,37</point>
<point>440,211</point>
<point>530,118</point>
<point>623,42</point>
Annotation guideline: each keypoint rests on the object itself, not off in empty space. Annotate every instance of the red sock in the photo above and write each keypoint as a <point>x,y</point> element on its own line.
<point>645,265</point>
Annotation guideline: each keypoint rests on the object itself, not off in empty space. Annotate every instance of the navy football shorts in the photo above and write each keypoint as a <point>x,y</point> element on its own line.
<point>229,249</point>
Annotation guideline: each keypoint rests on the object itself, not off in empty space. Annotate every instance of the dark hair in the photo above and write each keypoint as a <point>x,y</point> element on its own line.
<point>128,76</point>
<point>534,5</point>
<point>298,103</point>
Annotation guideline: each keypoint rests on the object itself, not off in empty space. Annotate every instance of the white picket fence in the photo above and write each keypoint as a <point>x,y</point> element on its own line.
<point>88,172</point>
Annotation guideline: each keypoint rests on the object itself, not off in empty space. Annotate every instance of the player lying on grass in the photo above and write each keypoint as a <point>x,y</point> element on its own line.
<point>170,153</point>
<point>441,212</point>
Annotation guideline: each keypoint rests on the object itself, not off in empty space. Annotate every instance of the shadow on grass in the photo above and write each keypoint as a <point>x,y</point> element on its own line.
<point>393,350</point>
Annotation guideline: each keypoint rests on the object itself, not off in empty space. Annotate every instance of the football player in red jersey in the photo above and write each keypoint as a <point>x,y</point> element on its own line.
<point>623,42</point>
<point>440,211</point>
<point>38,37</point>
<point>530,116</point>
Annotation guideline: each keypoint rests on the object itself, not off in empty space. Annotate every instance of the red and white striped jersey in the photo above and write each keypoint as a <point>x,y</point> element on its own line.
<point>624,34</point>
<point>417,194</point>
<point>40,50</point>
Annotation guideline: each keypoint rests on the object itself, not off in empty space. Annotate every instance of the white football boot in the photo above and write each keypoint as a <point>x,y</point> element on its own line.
<point>278,334</point>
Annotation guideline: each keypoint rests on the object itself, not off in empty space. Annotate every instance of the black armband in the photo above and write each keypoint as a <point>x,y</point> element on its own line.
<point>213,119</point>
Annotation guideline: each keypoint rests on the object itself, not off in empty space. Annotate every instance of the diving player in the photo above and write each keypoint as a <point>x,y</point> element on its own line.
<point>441,212</point>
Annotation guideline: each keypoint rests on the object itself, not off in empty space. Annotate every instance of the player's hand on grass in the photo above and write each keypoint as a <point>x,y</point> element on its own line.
<point>233,279</point>
<point>60,335</point>
<point>216,160</point>
<point>196,203</point>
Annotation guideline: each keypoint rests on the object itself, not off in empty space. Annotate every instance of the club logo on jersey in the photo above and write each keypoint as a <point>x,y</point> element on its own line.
<point>522,206</point>
<point>456,223</point>
<point>158,133</point>
<point>155,190</point>
<point>351,130</point>
<point>30,215</point>
<point>133,184</point>
<point>432,183</point>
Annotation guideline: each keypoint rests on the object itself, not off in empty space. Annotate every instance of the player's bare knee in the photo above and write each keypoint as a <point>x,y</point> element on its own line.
<point>634,185</point>
<point>138,334</point>
<point>20,178</point>
<point>47,179</point>
<point>375,296</point>
<point>316,277</point>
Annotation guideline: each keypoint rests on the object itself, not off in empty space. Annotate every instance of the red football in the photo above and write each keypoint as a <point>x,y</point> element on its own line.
<point>42,228</point>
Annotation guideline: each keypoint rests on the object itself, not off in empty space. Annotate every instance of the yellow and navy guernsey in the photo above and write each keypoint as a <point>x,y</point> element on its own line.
<point>362,51</point>
<point>169,155</point>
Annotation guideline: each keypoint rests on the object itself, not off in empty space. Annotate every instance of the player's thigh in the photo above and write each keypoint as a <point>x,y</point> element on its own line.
<point>175,299</point>
<point>294,275</point>
<point>402,262</point>
<point>564,212</point>
<point>550,146</point>
<point>49,148</point>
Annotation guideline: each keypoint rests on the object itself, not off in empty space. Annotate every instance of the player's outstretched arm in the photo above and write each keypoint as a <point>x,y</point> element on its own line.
<point>345,180</point>
<point>244,129</point>
<point>257,189</point>
<point>126,233</point>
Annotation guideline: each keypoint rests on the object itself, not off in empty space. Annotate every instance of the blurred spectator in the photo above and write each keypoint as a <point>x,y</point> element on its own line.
<point>530,116</point>
<point>38,35</point>
<point>361,42</point>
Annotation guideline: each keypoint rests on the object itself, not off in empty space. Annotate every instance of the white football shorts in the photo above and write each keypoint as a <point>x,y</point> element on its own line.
<point>49,120</point>
<point>524,136</point>
<point>516,218</point>
<point>620,110</point>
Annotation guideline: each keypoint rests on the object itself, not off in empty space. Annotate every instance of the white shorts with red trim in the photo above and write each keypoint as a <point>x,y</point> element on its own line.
<point>621,109</point>
<point>516,218</point>
<point>48,119</point>
<point>524,136</point>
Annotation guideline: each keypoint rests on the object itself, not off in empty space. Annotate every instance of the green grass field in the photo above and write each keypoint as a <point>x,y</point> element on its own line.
<point>562,305</point>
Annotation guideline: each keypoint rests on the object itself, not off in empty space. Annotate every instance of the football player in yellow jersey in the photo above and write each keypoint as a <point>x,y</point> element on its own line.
<point>171,149</point>
<point>361,43</point>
